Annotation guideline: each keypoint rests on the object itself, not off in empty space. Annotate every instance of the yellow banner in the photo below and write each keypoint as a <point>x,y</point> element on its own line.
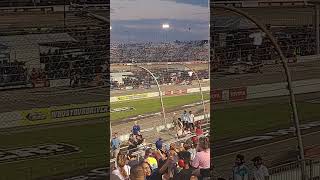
<point>132,97</point>
<point>64,113</point>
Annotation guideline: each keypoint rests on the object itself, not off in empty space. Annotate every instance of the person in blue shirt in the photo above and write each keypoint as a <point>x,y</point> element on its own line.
<point>159,143</point>
<point>136,129</point>
<point>240,171</point>
<point>115,145</point>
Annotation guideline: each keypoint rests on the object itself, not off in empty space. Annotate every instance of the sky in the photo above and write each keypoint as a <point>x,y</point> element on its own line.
<point>135,21</point>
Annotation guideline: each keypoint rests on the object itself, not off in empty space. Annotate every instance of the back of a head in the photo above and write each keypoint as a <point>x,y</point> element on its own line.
<point>240,156</point>
<point>137,173</point>
<point>204,143</point>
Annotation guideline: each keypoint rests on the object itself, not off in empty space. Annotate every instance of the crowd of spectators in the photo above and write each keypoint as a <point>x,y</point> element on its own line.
<point>82,60</point>
<point>142,79</point>
<point>188,157</point>
<point>13,73</point>
<point>160,52</point>
<point>251,45</point>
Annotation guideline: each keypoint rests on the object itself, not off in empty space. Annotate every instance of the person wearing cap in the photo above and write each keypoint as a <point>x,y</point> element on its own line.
<point>260,171</point>
<point>240,171</point>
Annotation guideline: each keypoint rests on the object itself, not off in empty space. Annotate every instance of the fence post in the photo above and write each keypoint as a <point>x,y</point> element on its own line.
<point>311,169</point>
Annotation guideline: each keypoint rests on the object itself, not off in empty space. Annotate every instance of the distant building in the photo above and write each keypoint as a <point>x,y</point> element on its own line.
<point>118,77</point>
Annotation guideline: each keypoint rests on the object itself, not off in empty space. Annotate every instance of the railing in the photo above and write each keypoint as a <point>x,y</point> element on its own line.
<point>292,170</point>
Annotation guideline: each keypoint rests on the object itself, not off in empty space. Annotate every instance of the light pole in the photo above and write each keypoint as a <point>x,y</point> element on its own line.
<point>288,75</point>
<point>160,93</point>
<point>166,27</point>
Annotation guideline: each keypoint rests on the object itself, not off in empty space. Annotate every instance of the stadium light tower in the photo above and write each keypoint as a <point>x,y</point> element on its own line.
<point>166,27</point>
<point>288,75</point>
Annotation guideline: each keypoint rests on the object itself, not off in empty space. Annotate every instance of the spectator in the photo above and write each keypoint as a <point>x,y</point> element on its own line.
<point>198,131</point>
<point>115,145</point>
<point>191,118</point>
<point>202,159</point>
<point>184,118</point>
<point>122,170</point>
<point>260,171</point>
<point>185,164</point>
<point>133,143</point>
<point>193,177</point>
<point>240,171</point>
<point>188,146</point>
<point>179,128</point>
<point>136,128</point>
<point>151,174</point>
<point>137,172</point>
<point>169,168</point>
<point>150,159</point>
<point>159,143</point>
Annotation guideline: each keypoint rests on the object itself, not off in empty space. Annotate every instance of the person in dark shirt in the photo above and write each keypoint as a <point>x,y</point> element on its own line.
<point>159,143</point>
<point>136,129</point>
<point>184,163</point>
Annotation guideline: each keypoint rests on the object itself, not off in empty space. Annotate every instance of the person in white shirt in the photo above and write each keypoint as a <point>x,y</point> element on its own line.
<point>191,120</point>
<point>184,119</point>
<point>122,170</point>
<point>257,38</point>
<point>260,171</point>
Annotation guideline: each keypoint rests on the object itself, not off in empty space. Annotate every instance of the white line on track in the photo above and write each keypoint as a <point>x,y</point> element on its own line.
<point>264,145</point>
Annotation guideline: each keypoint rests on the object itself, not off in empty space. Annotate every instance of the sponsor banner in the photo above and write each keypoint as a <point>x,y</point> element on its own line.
<point>132,97</point>
<point>122,109</point>
<point>35,152</point>
<point>39,84</point>
<point>60,83</point>
<point>225,95</point>
<point>236,94</point>
<point>216,95</point>
<point>168,93</point>
<point>64,113</point>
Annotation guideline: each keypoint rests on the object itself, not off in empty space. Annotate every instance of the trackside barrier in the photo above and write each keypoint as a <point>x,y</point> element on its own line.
<point>292,171</point>
<point>280,89</point>
<point>156,94</point>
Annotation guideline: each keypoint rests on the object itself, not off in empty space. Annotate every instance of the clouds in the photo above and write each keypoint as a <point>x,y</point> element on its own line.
<point>141,20</point>
<point>156,9</point>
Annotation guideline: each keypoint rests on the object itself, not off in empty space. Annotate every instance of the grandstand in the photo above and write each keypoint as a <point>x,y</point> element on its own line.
<point>37,33</point>
<point>237,41</point>
<point>44,51</point>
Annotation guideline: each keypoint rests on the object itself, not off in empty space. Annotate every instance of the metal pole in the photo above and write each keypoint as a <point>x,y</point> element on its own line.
<point>200,87</point>
<point>289,80</point>
<point>64,14</point>
<point>317,28</point>
<point>160,94</point>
